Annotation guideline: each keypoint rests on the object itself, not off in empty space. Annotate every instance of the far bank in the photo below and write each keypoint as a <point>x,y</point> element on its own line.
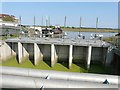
<point>91,30</point>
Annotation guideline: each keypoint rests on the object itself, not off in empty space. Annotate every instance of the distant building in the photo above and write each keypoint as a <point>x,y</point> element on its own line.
<point>9,24</point>
<point>2,15</point>
<point>3,22</point>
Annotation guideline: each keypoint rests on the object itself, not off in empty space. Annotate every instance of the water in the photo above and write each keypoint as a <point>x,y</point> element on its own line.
<point>71,34</point>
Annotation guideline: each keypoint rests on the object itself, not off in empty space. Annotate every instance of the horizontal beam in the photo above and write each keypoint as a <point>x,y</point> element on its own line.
<point>31,82</point>
<point>99,78</point>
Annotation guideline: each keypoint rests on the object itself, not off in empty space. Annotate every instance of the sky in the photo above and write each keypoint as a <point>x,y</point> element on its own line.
<point>107,12</point>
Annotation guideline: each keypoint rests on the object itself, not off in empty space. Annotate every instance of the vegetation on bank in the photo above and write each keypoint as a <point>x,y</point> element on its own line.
<point>86,29</point>
<point>95,68</point>
<point>112,40</point>
<point>8,18</point>
<point>82,29</point>
<point>91,30</point>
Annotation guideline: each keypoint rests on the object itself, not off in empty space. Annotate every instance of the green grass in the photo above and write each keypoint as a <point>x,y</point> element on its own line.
<point>58,66</point>
<point>42,65</point>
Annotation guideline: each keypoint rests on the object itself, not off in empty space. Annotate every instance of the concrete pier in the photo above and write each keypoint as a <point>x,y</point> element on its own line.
<point>89,56</point>
<point>53,50</point>
<point>70,56</point>
<point>20,52</point>
<point>37,54</point>
<point>53,55</point>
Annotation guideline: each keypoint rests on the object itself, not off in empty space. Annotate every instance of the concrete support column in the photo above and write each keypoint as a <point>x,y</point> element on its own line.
<point>37,54</point>
<point>70,56</point>
<point>20,52</point>
<point>89,56</point>
<point>53,55</point>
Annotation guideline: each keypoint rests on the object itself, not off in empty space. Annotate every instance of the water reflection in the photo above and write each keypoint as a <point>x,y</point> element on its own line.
<point>88,35</point>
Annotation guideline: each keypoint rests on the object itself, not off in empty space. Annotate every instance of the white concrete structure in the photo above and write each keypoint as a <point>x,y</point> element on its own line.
<point>31,82</point>
<point>89,56</point>
<point>20,55</point>
<point>5,51</point>
<point>37,54</point>
<point>70,55</point>
<point>22,52</point>
<point>53,55</point>
<point>10,27</point>
<point>53,51</point>
<point>6,23</point>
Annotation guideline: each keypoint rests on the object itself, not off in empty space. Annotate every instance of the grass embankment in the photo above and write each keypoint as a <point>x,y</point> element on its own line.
<point>91,30</point>
<point>58,66</point>
<point>112,40</point>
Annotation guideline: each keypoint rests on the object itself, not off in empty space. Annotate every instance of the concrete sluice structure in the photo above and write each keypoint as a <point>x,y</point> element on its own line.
<point>13,77</point>
<point>55,50</point>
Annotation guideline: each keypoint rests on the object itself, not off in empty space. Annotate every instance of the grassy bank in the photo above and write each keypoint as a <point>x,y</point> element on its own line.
<point>58,66</point>
<point>91,30</point>
<point>112,40</point>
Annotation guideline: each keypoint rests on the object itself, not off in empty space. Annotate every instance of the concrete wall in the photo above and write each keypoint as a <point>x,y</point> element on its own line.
<point>62,52</point>
<point>37,54</point>
<point>110,56</point>
<point>23,52</point>
<point>113,60</point>
<point>98,54</point>
<point>14,48</point>
<point>45,50</point>
<point>6,51</point>
<point>28,51</point>
<point>79,54</point>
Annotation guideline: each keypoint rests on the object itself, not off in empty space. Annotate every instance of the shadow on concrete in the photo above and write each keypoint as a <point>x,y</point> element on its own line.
<point>14,47</point>
<point>17,58</point>
<point>29,48</point>
<point>31,58</point>
<point>47,61</point>
<point>65,64</point>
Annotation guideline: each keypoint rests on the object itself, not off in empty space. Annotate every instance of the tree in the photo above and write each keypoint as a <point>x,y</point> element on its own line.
<point>73,27</point>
